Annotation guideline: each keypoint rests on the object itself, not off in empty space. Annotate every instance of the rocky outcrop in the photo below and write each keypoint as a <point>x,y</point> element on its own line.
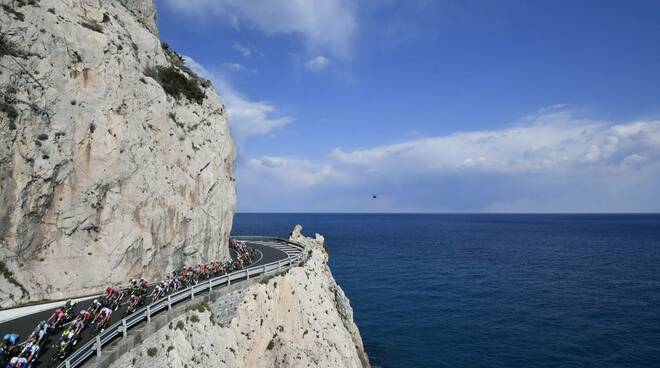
<point>115,159</point>
<point>299,319</point>
<point>144,11</point>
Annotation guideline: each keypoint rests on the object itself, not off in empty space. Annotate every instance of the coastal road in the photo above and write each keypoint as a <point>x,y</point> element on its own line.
<point>267,251</point>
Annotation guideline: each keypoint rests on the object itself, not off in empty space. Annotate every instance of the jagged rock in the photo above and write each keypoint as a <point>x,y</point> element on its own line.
<point>299,319</point>
<point>144,11</point>
<point>106,171</point>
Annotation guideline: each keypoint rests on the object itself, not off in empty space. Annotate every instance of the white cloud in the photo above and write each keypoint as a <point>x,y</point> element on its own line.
<point>555,141</point>
<point>294,172</point>
<point>551,161</point>
<point>246,117</point>
<point>325,24</point>
<point>249,118</point>
<point>317,64</point>
<point>244,50</point>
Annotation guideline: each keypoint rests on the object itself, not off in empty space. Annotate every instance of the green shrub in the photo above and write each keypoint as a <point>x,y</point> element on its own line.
<point>177,79</point>
<point>194,318</point>
<point>201,308</point>
<point>179,325</point>
<point>175,58</point>
<point>152,351</point>
<point>176,84</point>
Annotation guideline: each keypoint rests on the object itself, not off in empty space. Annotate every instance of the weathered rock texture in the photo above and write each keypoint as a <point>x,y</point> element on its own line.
<point>299,319</point>
<point>103,174</point>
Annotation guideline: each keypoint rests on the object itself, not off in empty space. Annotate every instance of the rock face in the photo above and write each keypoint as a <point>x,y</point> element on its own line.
<point>299,319</point>
<point>115,159</point>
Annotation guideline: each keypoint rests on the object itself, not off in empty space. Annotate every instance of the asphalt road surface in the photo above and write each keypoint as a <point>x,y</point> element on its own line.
<point>267,251</point>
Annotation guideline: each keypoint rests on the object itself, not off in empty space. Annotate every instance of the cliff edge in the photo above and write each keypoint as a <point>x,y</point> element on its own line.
<point>115,159</point>
<point>298,319</point>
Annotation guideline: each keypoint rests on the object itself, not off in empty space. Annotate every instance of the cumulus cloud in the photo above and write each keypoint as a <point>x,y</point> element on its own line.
<point>325,24</point>
<point>549,162</point>
<point>246,117</point>
<point>317,64</point>
<point>551,142</point>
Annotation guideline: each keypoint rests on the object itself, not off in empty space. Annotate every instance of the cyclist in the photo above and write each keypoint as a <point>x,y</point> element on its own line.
<point>17,362</point>
<point>133,302</point>
<point>78,326</point>
<point>67,333</point>
<point>30,351</point>
<point>69,309</point>
<point>95,308</point>
<point>117,297</point>
<point>84,315</point>
<point>56,317</point>
<point>39,332</point>
<point>23,363</point>
<point>157,291</point>
<point>11,339</point>
<point>134,283</point>
<point>105,315</point>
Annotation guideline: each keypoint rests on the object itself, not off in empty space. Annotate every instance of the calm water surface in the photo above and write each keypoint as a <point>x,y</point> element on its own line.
<point>494,290</point>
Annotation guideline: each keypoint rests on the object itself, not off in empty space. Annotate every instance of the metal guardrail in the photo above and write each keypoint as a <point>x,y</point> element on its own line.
<point>94,347</point>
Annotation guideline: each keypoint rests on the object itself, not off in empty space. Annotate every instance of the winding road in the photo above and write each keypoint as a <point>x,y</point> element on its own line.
<point>269,250</point>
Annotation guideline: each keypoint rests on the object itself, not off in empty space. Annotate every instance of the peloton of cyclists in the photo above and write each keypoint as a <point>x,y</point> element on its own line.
<point>100,310</point>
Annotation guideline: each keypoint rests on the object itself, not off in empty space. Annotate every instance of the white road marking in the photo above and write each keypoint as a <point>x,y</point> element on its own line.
<point>261,256</point>
<point>14,313</point>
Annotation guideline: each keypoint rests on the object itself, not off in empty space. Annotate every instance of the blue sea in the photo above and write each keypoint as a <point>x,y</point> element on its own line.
<point>494,290</point>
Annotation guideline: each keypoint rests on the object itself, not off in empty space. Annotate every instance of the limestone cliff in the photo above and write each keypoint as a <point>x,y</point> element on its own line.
<point>299,319</point>
<point>115,159</point>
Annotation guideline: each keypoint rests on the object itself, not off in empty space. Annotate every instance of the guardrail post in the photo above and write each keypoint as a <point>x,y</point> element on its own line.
<point>67,364</point>
<point>279,265</point>
<point>169,302</point>
<point>247,273</point>
<point>192,292</point>
<point>264,269</point>
<point>210,285</point>
<point>148,313</point>
<point>123,326</point>
<point>98,346</point>
<point>229,279</point>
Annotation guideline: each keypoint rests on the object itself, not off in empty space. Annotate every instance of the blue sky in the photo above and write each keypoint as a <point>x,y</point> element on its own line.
<point>436,106</point>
